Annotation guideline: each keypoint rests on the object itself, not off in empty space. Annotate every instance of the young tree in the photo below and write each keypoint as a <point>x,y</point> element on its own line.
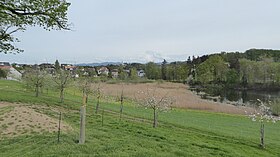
<point>98,94</point>
<point>121,106</point>
<point>62,79</point>
<point>36,79</point>
<point>82,138</point>
<point>16,15</point>
<point>86,86</point>
<point>263,114</point>
<point>155,102</point>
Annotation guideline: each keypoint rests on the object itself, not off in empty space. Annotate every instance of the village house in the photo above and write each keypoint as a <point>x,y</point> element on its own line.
<point>46,65</point>
<point>115,73</point>
<point>71,68</point>
<point>5,65</point>
<point>141,73</point>
<point>83,72</point>
<point>91,71</point>
<point>103,71</point>
<point>68,67</point>
<point>12,74</point>
<point>49,68</point>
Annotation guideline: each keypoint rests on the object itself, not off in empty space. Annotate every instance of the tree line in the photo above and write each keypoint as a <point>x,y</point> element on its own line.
<point>256,68</point>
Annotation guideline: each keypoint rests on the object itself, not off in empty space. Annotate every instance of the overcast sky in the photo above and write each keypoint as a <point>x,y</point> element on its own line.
<point>150,30</point>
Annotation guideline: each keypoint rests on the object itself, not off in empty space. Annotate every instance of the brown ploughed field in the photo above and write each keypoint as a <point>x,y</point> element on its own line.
<point>22,119</point>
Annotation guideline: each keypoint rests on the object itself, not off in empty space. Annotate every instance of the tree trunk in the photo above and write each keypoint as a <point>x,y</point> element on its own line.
<point>37,91</point>
<point>121,107</point>
<point>85,96</point>
<point>262,135</point>
<point>82,125</point>
<point>84,99</point>
<point>62,95</point>
<point>97,107</point>
<point>155,118</point>
<point>102,117</point>
<point>58,132</point>
<point>121,111</point>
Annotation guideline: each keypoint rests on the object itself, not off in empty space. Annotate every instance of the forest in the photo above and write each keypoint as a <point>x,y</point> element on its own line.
<point>253,69</point>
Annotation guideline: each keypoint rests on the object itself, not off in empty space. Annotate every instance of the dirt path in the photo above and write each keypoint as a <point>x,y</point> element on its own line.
<point>183,97</point>
<point>21,119</point>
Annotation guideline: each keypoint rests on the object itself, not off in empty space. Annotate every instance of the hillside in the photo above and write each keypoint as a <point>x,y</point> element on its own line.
<point>181,132</point>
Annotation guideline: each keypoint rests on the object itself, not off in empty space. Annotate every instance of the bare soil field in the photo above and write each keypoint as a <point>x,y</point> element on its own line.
<point>183,97</point>
<point>21,119</point>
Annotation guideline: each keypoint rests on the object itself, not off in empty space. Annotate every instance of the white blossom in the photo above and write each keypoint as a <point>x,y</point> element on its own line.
<point>263,113</point>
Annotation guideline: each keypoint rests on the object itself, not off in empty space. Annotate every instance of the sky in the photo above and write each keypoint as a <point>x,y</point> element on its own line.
<point>152,30</point>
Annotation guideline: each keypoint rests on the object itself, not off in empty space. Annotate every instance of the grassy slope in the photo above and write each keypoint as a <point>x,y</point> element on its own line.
<point>181,132</point>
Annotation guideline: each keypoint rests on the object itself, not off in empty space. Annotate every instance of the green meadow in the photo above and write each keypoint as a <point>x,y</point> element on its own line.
<point>180,132</point>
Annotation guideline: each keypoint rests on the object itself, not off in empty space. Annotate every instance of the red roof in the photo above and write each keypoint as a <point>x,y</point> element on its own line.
<point>5,67</point>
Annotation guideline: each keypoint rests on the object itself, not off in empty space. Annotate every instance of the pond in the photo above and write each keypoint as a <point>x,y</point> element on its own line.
<point>237,97</point>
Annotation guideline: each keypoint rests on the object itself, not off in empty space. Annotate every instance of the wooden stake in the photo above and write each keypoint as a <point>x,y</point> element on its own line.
<point>262,136</point>
<point>58,132</point>
<point>121,107</point>
<point>102,117</point>
<point>82,125</point>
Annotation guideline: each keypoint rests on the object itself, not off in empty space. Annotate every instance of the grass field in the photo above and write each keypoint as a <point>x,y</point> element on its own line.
<point>181,132</point>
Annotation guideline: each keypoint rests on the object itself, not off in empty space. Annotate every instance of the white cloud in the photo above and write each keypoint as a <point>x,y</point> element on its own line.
<point>152,56</point>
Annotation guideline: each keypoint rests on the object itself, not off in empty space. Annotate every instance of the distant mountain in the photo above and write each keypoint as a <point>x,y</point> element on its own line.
<point>99,64</point>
